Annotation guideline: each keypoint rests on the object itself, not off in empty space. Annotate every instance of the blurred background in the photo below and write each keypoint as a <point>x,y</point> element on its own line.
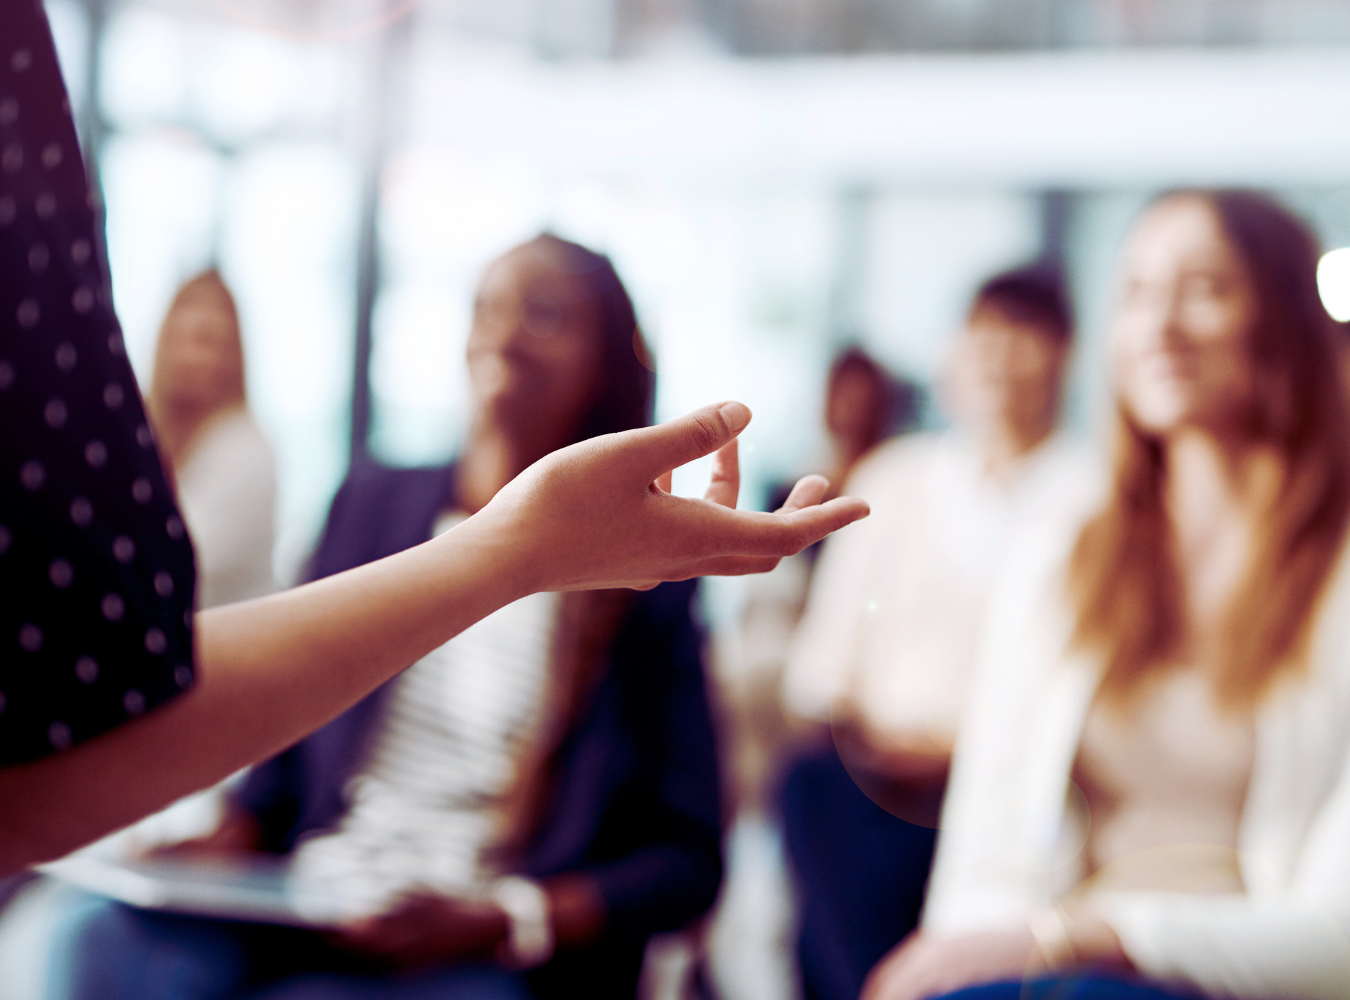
<point>773,179</point>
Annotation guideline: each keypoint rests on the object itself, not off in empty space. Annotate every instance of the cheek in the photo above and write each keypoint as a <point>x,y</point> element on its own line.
<point>1229,376</point>
<point>572,377</point>
<point>1155,401</point>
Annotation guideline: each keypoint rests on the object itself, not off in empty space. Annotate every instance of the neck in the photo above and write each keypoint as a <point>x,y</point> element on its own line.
<point>492,459</point>
<point>1216,494</point>
<point>1003,446</point>
<point>1207,477</point>
<point>176,424</point>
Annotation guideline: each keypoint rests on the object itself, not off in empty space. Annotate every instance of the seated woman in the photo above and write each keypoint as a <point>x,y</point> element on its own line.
<point>222,466</point>
<point>224,475</point>
<point>524,807</point>
<point>1151,791</point>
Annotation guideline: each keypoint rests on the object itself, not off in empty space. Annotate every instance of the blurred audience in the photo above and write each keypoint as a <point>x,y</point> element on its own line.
<point>881,664</point>
<point>521,810</point>
<point>749,950</point>
<point>864,405</point>
<point>223,467</point>
<point>1151,792</point>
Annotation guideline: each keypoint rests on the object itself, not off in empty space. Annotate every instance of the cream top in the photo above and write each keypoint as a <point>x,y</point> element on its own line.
<point>1164,777</point>
<point>1010,848</point>
<point>227,491</point>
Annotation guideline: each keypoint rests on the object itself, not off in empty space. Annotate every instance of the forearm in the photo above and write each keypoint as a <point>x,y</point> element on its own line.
<point>1235,945</point>
<point>593,515</point>
<point>269,671</point>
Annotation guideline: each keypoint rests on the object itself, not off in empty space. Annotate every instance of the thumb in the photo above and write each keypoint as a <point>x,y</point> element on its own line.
<point>657,450</point>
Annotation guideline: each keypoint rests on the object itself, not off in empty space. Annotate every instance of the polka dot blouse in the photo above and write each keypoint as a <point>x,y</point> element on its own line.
<point>96,569</point>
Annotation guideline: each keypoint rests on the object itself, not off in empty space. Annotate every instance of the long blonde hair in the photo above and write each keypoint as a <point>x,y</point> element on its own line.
<point>1124,582</point>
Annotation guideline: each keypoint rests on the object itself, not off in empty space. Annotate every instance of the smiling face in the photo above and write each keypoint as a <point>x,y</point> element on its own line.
<point>1182,330</point>
<point>534,349</point>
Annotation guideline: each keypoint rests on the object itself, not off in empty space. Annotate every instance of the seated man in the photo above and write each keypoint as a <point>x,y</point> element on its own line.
<point>522,808</point>
<point>889,636</point>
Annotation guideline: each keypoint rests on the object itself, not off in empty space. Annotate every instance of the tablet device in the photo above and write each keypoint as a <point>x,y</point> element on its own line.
<point>257,890</point>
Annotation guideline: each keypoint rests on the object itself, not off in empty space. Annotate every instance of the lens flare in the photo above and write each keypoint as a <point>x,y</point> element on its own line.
<point>1333,282</point>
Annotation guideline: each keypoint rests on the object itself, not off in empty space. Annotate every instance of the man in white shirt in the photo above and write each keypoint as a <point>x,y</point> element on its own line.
<point>884,653</point>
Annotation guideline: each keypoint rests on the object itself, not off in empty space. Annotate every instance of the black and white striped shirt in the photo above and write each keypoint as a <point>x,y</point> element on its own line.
<point>428,801</point>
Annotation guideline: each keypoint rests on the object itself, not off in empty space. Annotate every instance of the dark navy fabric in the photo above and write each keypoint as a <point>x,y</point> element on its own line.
<point>1077,986</point>
<point>635,800</point>
<point>861,875</point>
<point>96,569</point>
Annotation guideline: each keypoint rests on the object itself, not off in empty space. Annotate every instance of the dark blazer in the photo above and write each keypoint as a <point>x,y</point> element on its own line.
<point>635,803</point>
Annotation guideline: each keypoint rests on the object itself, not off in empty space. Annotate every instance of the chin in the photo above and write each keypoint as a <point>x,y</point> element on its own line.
<point>1160,420</point>
<point>513,409</point>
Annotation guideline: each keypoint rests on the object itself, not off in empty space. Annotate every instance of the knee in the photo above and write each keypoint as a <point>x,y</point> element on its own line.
<point>107,951</point>
<point>96,946</point>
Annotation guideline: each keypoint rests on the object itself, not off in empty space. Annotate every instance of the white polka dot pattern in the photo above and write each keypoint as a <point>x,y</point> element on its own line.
<point>97,569</point>
<point>61,573</point>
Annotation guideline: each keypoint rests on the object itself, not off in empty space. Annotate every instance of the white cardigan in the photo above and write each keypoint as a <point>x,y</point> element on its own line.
<point>1010,845</point>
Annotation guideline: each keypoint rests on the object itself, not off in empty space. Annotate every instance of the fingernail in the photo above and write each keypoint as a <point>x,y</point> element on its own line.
<point>736,415</point>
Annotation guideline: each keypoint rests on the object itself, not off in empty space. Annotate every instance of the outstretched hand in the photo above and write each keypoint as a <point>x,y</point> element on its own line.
<point>601,514</point>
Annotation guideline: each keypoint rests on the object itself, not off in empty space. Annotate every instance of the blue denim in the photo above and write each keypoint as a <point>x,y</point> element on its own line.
<point>1077,986</point>
<point>107,951</point>
<point>860,873</point>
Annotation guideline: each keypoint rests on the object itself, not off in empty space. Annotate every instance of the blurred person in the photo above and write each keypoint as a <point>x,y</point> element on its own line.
<point>223,474</point>
<point>221,465</point>
<point>111,675</point>
<point>1150,790</point>
<point>864,405</point>
<point>880,668</point>
<point>749,950</point>
<point>560,751</point>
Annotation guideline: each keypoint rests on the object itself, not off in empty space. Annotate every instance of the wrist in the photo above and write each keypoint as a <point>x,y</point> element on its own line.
<point>529,932</point>
<point>501,554</point>
<point>1054,939</point>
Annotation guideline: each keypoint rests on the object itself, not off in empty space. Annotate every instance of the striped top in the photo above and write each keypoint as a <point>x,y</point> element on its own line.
<point>428,801</point>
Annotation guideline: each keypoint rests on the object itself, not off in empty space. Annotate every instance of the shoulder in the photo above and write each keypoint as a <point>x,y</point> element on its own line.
<point>892,463</point>
<point>369,482</point>
<point>1069,463</point>
<point>377,511</point>
<point>231,454</point>
<point>239,433</point>
<point>1330,636</point>
<point>1034,579</point>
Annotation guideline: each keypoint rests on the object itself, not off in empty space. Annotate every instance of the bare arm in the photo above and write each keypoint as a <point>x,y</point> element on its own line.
<point>274,669</point>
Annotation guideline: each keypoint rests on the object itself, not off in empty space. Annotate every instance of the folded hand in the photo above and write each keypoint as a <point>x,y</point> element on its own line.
<point>426,929</point>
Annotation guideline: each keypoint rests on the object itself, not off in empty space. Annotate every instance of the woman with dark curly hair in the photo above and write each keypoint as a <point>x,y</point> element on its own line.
<point>518,812</point>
